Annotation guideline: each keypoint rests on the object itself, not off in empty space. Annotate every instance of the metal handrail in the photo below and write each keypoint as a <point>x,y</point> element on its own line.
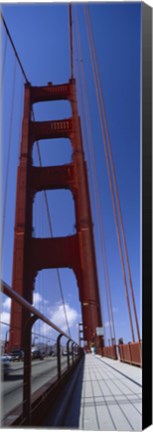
<point>6,289</point>
<point>35,314</point>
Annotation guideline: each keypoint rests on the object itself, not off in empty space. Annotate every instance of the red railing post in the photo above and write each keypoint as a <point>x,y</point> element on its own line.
<point>68,353</point>
<point>27,371</point>
<point>59,355</point>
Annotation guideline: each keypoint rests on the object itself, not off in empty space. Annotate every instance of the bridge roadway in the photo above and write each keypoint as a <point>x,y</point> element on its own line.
<point>12,386</point>
<point>105,395</point>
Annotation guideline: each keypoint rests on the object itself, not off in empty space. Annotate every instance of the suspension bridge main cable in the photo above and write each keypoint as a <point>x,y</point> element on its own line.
<point>120,217</point>
<point>8,160</point>
<point>96,188</point>
<point>71,41</point>
<point>14,49</point>
<point>107,154</point>
<point>39,156</point>
<point>94,67</point>
<point>4,59</point>
<point>117,193</point>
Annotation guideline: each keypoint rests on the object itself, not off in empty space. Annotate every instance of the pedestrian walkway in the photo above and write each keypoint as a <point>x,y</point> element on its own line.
<point>111,396</point>
<point>103,395</point>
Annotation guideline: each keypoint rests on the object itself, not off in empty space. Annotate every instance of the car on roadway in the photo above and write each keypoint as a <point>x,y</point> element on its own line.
<point>36,353</point>
<point>5,365</point>
<point>17,354</point>
<point>8,356</point>
<point>65,353</point>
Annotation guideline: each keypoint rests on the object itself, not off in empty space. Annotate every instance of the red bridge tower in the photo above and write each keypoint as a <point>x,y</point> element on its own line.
<point>76,251</point>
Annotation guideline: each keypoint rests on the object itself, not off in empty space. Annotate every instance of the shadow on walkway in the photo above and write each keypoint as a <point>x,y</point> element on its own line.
<point>67,409</point>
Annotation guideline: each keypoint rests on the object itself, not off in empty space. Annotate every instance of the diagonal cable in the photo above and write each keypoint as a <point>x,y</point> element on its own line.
<point>3,64</point>
<point>8,160</point>
<point>102,122</point>
<point>95,185</point>
<point>112,167</point>
<point>39,156</point>
<point>14,49</point>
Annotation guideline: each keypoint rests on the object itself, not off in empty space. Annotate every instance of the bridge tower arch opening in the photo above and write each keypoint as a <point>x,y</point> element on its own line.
<point>62,214</point>
<point>62,308</point>
<point>61,156</point>
<point>52,109</point>
<point>74,251</point>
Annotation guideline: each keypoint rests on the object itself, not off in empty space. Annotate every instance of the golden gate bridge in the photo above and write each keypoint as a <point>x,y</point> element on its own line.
<point>33,253</point>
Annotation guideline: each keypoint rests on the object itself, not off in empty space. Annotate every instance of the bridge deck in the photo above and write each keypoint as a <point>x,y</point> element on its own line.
<point>111,395</point>
<point>106,396</point>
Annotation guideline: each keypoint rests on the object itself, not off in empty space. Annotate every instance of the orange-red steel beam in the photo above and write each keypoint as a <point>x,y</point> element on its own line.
<point>51,129</point>
<point>55,177</point>
<point>76,252</point>
<point>21,278</point>
<point>50,92</point>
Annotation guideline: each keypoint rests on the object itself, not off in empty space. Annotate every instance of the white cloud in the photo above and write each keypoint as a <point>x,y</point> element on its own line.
<point>7,303</point>
<point>5,317</point>
<point>115,309</point>
<point>57,316</point>
<point>4,329</point>
<point>38,299</point>
<point>107,323</point>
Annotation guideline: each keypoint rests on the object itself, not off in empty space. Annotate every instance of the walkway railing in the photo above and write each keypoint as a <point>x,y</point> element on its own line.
<point>128,353</point>
<point>110,351</point>
<point>32,383</point>
<point>131,353</point>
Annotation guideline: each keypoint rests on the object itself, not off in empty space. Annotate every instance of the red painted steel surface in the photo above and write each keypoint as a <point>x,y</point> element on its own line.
<point>51,129</point>
<point>50,92</point>
<point>55,177</point>
<point>110,351</point>
<point>125,353</point>
<point>131,353</point>
<point>21,277</point>
<point>136,353</point>
<point>76,252</point>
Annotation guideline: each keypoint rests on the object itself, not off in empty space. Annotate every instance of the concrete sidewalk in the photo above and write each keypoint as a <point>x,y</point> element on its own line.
<point>111,396</point>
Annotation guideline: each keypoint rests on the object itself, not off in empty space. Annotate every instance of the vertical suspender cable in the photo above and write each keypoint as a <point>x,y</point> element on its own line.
<point>76,116</point>
<point>71,39</point>
<point>81,112</point>
<point>97,194</point>
<point>21,111</point>
<point>5,195</point>
<point>46,202</point>
<point>94,66</point>
<point>96,190</point>
<point>109,171</point>
<point>116,189</point>
<point>3,64</point>
<point>118,205</point>
<point>8,160</point>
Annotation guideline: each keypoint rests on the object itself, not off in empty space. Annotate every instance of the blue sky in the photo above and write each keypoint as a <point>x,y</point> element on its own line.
<point>41,37</point>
